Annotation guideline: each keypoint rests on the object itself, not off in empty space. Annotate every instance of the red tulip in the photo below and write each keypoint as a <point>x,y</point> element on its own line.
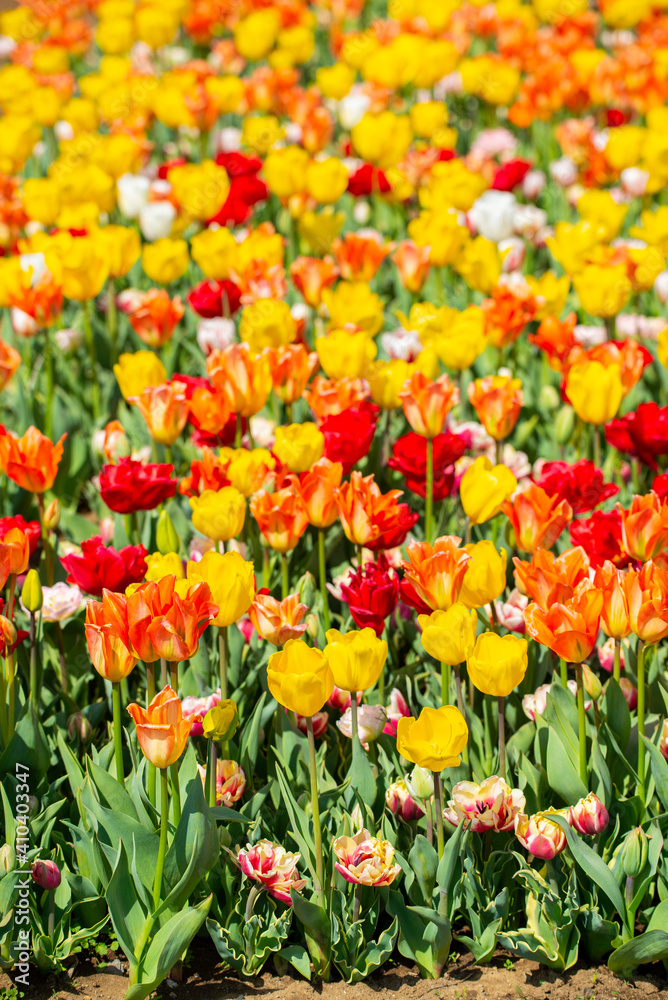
<point>372,594</point>
<point>101,568</point>
<point>601,537</point>
<point>29,528</point>
<point>348,435</point>
<point>409,457</point>
<point>643,434</point>
<point>131,486</point>
<point>581,484</point>
<point>215,298</point>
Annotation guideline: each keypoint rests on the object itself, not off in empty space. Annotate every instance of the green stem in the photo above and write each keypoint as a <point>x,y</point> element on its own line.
<point>48,367</point>
<point>323,578</point>
<point>90,344</point>
<point>446,671</point>
<point>641,723</point>
<point>150,695</point>
<point>212,773</point>
<point>617,669</point>
<point>438,806</point>
<point>118,732</point>
<point>174,675</point>
<point>317,832</point>
<point>223,657</point>
<point>429,500</point>
<point>11,678</point>
<point>163,672</point>
<point>176,792</point>
<point>34,684</point>
<point>502,741</point>
<point>162,850</point>
<point>499,453</point>
<point>582,724</point>
<point>353,717</point>
<point>563,673</point>
<point>597,446</point>
<point>285,576</point>
<point>112,320</point>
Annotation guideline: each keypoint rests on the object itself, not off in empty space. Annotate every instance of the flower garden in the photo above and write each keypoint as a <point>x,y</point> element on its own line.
<point>334,493</point>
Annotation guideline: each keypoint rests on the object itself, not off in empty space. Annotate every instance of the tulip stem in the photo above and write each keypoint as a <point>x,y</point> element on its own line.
<point>462,708</point>
<point>445,683</point>
<point>617,669</point>
<point>323,578</point>
<point>164,821</point>
<point>438,806</point>
<point>499,453</point>
<point>317,833</point>
<point>11,677</point>
<point>118,732</point>
<point>48,367</point>
<point>467,530</point>
<point>211,776</point>
<point>112,319</point>
<point>174,675</point>
<point>353,717</point>
<point>90,344</point>
<point>582,724</point>
<point>641,723</point>
<point>285,585</point>
<point>150,695</point>
<point>502,740</point>
<point>429,499</point>
<point>34,686</point>
<point>223,658</point>
<point>163,672</point>
<point>563,673</point>
<point>176,792</point>
<point>597,446</point>
<point>132,528</point>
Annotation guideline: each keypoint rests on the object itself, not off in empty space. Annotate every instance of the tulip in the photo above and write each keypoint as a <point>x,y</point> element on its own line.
<point>412,263</point>
<point>343,354</point>
<point>14,554</point>
<point>421,783</point>
<point>99,567</point>
<point>130,486</point>
<point>370,518</point>
<point>300,678</point>
<point>46,874</point>
<point>371,593</point>
<point>496,666</point>
<point>165,410</point>
<point>78,727</point>
<point>107,637</point>
<point>355,658</point>
<point>433,575</point>
<point>219,514</point>
<point>492,805</point>
<point>663,740</point>
<point>311,275</point>
<point>267,323</point>
<point>540,835</point>
<point>245,381</point>
<point>365,860</point>
<point>162,732</point>
<point>484,488</point>
<point>630,693</point>
<point>536,519</point>
<point>277,621</point>
<point>645,527</point>
<point>400,802</point>
<point>449,637</point>
<point>371,721</point>
<point>282,519</point>
<point>291,366</point>
<point>30,461</point>
<point>273,868</point>
<point>570,629</point>
<point>299,446</point>
<point>230,782</point>
<point>594,391</point>
<point>589,816</point>
<point>165,260</point>
<point>60,602</point>
<point>551,579</point>
<point>497,399</point>
<point>485,577</point>
<point>135,372</point>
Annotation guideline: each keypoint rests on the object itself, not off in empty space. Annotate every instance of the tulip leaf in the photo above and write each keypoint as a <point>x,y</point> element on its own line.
<point>424,862</point>
<point>318,931</point>
<point>659,771</point>
<point>128,914</point>
<point>250,738</point>
<point>196,837</point>
<point>361,774</point>
<point>562,775</point>
<point>75,774</point>
<point>592,865</point>
<point>617,712</point>
<point>298,958</point>
<point>28,743</point>
<point>600,771</point>
<point>300,827</point>
<point>652,946</point>
<point>225,815</point>
<point>167,947</point>
<point>110,792</point>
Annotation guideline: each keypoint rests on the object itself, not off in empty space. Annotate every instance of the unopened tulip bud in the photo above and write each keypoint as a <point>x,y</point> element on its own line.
<point>7,631</point>
<point>401,802</point>
<point>221,722</point>
<point>31,593</point>
<point>79,726</point>
<point>549,398</point>
<point>371,720</point>
<point>565,424</point>
<point>7,859</point>
<point>46,874</point>
<point>51,518</point>
<point>307,589</point>
<point>631,695</point>
<point>224,837</point>
<point>356,818</point>
<point>166,535</point>
<point>592,684</point>
<point>589,816</point>
<point>312,626</point>
<point>421,783</point>
<point>634,852</point>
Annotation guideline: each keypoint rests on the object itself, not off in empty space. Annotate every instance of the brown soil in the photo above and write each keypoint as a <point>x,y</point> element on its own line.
<point>463,981</point>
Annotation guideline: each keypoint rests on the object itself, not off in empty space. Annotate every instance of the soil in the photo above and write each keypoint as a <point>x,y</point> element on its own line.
<point>463,981</point>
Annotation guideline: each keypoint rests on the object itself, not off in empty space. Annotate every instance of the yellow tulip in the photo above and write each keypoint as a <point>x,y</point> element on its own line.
<point>255,35</point>
<point>326,180</point>
<point>219,514</point>
<point>122,246</point>
<point>79,266</point>
<point>335,81</point>
<point>662,347</point>
<point>299,446</point>
<point>479,264</point>
<point>603,291</point>
<point>601,209</point>
<point>428,117</point>
<point>355,658</point>
<point>201,189</point>
<point>300,678</point>
<point>165,260</point>
<point>41,199</point>
<point>485,577</point>
<point>134,372</point>
<point>285,171</point>
<point>345,355</point>
<point>159,565</point>
<point>595,391</point>
<point>267,323</point>
<point>382,138</point>
<point>441,232</point>
<point>231,581</point>
<point>483,489</point>
<point>497,664</point>
<point>435,739</point>
<point>386,380</point>
<point>215,250</point>
<point>463,341</point>
<point>449,636</point>
<point>354,302</point>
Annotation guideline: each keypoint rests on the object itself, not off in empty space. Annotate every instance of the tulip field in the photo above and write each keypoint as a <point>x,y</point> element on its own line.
<point>333,489</point>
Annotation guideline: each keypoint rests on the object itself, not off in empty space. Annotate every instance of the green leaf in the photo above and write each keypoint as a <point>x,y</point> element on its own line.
<point>110,792</point>
<point>194,849</point>
<point>28,743</point>
<point>424,862</point>
<point>298,957</point>
<point>652,946</point>
<point>224,815</point>
<point>317,927</point>
<point>659,917</point>
<point>250,738</point>
<point>361,774</point>
<point>300,827</point>
<point>562,775</point>
<point>128,914</point>
<point>75,773</point>
<point>592,865</point>
<point>600,771</point>
<point>617,712</point>
<point>167,947</point>
<point>659,771</point>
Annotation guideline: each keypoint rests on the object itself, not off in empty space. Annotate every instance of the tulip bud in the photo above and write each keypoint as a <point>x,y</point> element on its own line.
<point>312,626</point>
<point>7,859</point>
<point>224,837</point>
<point>524,431</point>
<point>592,684</point>
<point>51,518</point>
<point>356,818</point>
<point>46,874</point>
<point>565,424</point>
<point>421,783</point>
<point>166,536</point>
<point>629,692</point>
<point>589,816</point>
<point>7,631</point>
<point>221,722</point>
<point>33,805</point>
<point>307,589</point>
<point>549,398</point>
<point>31,594</point>
<point>78,725</point>
<point>634,852</point>
<point>401,802</point>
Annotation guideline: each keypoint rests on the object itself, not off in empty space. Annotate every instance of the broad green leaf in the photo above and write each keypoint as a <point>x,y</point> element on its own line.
<point>659,771</point>
<point>652,946</point>
<point>562,775</point>
<point>167,947</point>
<point>592,865</point>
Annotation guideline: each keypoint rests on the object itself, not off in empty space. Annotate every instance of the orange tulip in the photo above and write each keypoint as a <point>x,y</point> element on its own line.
<point>412,263</point>
<point>536,518</point>
<point>548,579</point>
<point>647,595</point>
<point>43,301</point>
<point>426,404</point>
<point>569,630</point>
<point>317,489</point>
<point>31,461</point>
<point>281,517</point>
<point>162,732</point>
<point>108,637</point>
<point>156,317</point>
<point>10,359</point>
<point>329,397</point>
<point>291,367</point>
<point>497,399</point>
<point>556,338</point>
<point>359,257</point>
<point>615,619</point>
<point>209,410</point>
<point>277,621</point>
<point>207,473</point>
<point>311,275</point>
<point>628,354</point>
<point>164,625</point>
<point>245,380</point>
<point>14,554</point>
<point>165,410</point>
<point>434,573</point>
<point>645,527</point>
<point>367,514</point>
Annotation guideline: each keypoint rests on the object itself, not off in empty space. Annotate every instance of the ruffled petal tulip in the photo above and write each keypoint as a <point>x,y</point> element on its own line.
<point>491,805</point>
<point>365,860</point>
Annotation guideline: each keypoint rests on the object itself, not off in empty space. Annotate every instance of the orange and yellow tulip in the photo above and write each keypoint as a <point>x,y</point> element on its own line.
<point>569,630</point>
<point>162,732</point>
<point>536,518</point>
<point>30,461</point>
